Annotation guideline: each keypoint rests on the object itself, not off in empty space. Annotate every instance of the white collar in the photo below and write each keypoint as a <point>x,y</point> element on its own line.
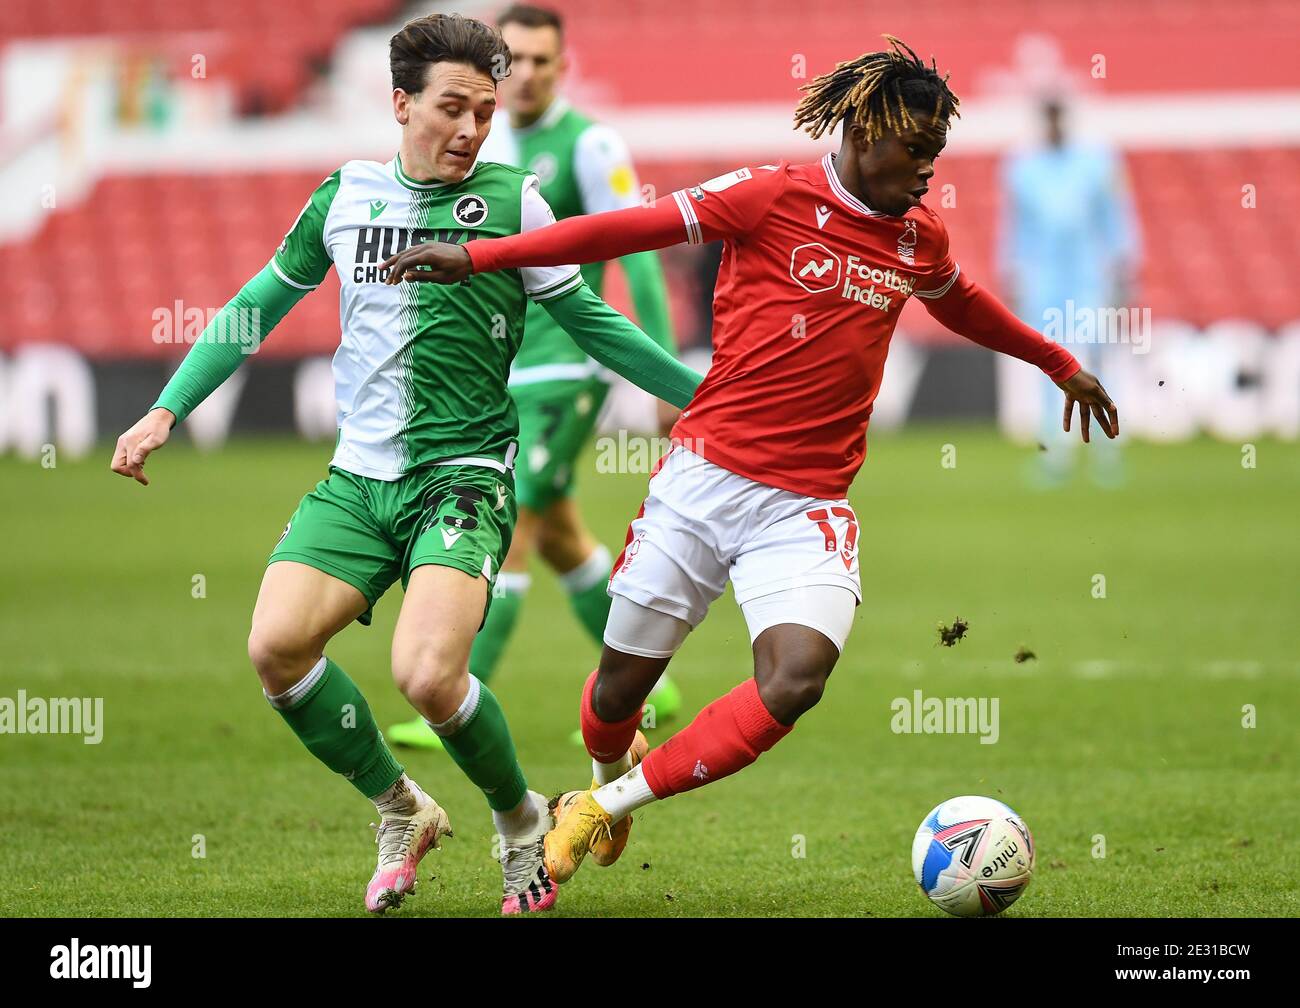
<point>846,197</point>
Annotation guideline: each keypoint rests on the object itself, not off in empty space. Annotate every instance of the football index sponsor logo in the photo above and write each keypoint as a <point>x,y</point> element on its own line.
<point>75,961</point>
<point>815,268</point>
<point>879,280</point>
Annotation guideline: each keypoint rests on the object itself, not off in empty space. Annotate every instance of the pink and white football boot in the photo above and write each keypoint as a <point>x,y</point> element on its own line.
<point>527,887</point>
<point>410,824</point>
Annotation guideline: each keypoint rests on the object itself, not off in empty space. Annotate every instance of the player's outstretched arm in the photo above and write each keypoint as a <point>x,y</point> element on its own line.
<point>595,238</point>
<point>234,333</point>
<point>970,311</point>
<point>614,341</point>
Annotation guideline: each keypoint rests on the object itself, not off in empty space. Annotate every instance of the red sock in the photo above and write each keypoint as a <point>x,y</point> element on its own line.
<point>726,736</point>
<point>606,740</point>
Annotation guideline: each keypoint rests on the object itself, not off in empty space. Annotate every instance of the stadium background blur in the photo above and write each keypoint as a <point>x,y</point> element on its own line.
<point>153,153</point>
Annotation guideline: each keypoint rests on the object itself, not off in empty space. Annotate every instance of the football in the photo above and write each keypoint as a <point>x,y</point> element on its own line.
<point>973,856</point>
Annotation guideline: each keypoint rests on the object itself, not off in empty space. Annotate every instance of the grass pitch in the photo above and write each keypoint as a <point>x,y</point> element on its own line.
<point>1123,737</point>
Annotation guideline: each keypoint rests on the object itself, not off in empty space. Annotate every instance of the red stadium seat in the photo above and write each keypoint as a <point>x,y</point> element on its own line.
<point>197,238</point>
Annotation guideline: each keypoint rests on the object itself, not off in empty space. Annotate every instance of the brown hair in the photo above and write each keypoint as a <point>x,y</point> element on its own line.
<point>445,38</point>
<point>531,16</point>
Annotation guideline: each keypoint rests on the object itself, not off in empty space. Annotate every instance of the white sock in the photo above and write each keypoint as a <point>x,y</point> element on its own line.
<point>464,713</point>
<point>522,823</point>
<point>511,583</point>
<point>591,571</point>
<point>606,772</point>
<point>627,794</point>
<point>403,798</point>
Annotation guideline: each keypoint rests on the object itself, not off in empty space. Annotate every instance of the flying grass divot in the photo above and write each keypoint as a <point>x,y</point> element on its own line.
<point>950,635</point>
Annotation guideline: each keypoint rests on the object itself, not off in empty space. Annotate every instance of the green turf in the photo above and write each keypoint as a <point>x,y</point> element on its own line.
<point>1127,725</point>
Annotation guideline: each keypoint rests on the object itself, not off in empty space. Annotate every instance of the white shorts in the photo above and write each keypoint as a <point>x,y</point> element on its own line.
<point>701,525</point>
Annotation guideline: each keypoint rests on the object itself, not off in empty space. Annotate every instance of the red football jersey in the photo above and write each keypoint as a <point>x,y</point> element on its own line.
<point>809,292</point>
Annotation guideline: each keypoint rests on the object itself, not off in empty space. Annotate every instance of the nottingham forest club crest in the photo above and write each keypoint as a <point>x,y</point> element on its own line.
<point>471,210</point>
<point>907,243</point>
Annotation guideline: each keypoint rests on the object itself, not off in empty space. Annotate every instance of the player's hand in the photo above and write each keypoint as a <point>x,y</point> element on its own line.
<point>446,264</point>
<point>1093,401</point>
<point>150,432</point>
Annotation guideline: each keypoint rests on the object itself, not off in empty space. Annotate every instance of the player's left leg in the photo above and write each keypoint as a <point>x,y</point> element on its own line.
<point>458,538</point>
<point>508,591</point>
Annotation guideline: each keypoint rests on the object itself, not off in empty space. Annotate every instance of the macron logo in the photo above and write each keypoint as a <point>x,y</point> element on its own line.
<point>449,537</point>
<point>823,215</point>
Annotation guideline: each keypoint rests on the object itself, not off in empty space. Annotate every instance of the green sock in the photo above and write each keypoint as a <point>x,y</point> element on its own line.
<point>586,585</point>
<point>502,615</point>
<point>478,739</point>
<point>331,717</point>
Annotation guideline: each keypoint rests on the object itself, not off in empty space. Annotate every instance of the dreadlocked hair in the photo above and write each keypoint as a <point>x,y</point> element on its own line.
<point>877,90</point>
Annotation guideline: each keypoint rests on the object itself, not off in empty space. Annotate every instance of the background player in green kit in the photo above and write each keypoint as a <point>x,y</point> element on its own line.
<point>583,168</point>
<point>421,483</point>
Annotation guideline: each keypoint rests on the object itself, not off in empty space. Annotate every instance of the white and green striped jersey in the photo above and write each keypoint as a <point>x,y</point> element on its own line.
<point>421,369</point>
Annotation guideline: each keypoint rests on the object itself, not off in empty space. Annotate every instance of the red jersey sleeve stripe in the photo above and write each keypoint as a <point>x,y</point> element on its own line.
<point>941,291</point>
<point>694,234</point>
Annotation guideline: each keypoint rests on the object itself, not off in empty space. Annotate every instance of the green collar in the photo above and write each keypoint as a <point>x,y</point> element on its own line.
<point>411,183</point>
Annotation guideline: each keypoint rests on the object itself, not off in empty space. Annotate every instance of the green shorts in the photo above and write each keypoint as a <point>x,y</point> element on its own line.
<point>370,532</point>
<point>556,419</point>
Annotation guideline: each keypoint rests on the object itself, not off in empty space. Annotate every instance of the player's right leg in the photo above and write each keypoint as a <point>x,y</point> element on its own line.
<point>327,570</point>
<point>583,566</point>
